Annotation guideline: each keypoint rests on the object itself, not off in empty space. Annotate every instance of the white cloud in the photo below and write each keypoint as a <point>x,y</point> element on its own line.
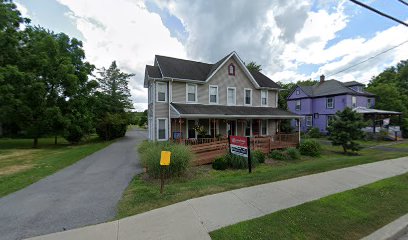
<point>281,35</point>
<point>124,31</point>
<point>363,49</point>
<point>23,10</point>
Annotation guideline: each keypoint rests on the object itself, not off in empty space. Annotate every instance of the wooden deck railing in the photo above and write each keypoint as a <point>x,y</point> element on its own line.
<point>207,149</point>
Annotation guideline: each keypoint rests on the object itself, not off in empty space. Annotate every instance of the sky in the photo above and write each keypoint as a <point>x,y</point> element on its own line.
<point>291,39</point>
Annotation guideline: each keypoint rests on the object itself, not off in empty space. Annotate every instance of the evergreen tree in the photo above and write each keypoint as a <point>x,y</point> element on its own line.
<point>113,102</point>
<point>345,129</point>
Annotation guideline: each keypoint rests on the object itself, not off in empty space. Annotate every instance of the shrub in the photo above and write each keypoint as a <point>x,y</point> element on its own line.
<point>150,153</point>
<point>112,126</point>
<point>278,155</point>
<point>73,134</point>
<point>314,133</point>
<point>236,162</point>
<point>310,148</point>
<point>258,156</point>
<point>292,153</point>
<point>220,163</point>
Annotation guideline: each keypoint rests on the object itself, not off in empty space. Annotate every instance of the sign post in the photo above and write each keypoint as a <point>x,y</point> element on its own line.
<point>241,146</point>
<point>164,162</point>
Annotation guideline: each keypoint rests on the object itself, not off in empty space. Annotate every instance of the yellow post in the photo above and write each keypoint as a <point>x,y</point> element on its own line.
<point>164,161</point>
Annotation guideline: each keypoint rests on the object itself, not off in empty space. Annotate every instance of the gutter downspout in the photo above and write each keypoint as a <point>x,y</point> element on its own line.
<point>170,100</point>
<point>154,112</point>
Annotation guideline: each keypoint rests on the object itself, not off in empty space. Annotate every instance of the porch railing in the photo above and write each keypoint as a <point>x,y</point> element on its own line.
<point>207,149</point>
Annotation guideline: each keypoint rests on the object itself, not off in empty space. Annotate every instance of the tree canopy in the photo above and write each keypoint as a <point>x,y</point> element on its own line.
<point>391,89</point>
<point>253,66</point>
<point>45,85</point>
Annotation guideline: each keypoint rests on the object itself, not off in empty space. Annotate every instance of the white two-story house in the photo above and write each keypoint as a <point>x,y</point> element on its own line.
<point>188,99</point>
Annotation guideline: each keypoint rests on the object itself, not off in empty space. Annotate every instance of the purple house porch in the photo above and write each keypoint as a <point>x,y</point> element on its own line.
<point>318,104</point>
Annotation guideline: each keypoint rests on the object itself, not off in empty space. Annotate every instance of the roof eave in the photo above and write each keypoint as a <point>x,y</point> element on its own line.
<point>240,116</point>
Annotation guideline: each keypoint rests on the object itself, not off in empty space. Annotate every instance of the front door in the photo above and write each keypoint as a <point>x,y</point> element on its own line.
<point>191,133</point>
<point>232,128</point>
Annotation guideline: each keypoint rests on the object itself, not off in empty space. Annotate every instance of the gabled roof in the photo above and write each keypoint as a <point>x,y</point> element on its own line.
<point>308,90</point>
<point>352,83</point>
<point>153,71</point>
<point>263,80</point>
<point>183,69</point>
<point>331,87</point>
<point>185,110</point>
<point>188,70</point>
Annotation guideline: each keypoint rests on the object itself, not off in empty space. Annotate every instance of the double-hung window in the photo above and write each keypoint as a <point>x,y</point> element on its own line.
<point>329,119</point>
<point>330,102</point>
<point>353,101</point>
<point>264,97</point>
<point>309,121</point>
<point>247,96</point>
<point>298,105</point>
<point>213,94</point>
<point>191,93</point>
<point>161,91</point>
<point>162,129</point>
<point>369,104</point>
<point>231,96</point>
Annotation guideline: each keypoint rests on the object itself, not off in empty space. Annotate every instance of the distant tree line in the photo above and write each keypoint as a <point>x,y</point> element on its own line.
<point>46,86</point>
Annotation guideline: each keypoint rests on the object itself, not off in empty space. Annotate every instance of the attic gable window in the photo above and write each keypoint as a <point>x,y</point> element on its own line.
<point>231,70</point>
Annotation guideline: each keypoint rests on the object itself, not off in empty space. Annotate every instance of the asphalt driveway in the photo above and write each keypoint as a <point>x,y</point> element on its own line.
<point>82,194</point>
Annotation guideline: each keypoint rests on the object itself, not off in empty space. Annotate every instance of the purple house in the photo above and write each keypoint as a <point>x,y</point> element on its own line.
<point>318,103</point>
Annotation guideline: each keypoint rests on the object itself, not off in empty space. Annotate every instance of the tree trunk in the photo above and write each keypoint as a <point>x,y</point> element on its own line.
<point>344,149</point>
<point>35,142</point>
<point>55,140</point>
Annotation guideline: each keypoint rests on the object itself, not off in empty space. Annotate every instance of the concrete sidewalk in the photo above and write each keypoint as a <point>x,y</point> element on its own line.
<point>195,218</point>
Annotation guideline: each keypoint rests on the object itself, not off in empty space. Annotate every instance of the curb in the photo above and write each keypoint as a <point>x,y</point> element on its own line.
<point>391,231</point>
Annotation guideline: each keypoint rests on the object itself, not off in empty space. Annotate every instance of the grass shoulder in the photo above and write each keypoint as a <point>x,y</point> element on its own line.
<point>21,165</point>
<point>143,193</point>
<point>346,215</point>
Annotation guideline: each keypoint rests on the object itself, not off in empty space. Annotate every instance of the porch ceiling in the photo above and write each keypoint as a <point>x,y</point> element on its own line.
<point>225,112</point>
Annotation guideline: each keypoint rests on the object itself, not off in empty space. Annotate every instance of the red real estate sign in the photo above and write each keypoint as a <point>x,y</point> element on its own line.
<point>239,145</point>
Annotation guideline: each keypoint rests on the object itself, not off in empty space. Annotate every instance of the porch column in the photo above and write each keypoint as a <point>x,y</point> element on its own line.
<point>215,131</point>
<point>180,130</point>
<point>298,123</point>
<point>374,117</point>
<point>259,127</point>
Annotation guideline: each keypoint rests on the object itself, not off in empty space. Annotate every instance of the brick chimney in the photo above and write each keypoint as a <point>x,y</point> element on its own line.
<point>322,78</point>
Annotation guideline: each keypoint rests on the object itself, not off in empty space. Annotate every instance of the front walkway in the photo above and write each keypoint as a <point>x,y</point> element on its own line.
<point>82,194</point>
<point>195,218</point>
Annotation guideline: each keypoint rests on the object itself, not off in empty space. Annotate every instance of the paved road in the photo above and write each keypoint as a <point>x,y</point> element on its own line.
<point>405,237</point>
<point>82,194</point>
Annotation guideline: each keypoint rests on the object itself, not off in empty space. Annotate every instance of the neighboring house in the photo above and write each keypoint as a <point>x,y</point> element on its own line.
<point>222,98</point>
<point>318,103</point>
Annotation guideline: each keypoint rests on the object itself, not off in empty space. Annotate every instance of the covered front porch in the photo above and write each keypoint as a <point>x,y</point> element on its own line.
<point>206,128</point>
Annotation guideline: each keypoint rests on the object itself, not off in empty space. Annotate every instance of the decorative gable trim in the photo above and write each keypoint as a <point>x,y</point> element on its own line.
<point>294,90</point>
<point>231,69</point>
<point>240,63</point>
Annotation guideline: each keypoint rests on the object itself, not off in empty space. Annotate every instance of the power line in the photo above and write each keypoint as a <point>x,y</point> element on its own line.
<point>368,59</point>
<point>379,12</point>
<point>403,2</point>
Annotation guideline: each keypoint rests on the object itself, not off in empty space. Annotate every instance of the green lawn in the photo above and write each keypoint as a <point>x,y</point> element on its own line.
<point>143,194</point>
<point>21,165</point>
<point>399,145</point>
<point>349,215</point>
